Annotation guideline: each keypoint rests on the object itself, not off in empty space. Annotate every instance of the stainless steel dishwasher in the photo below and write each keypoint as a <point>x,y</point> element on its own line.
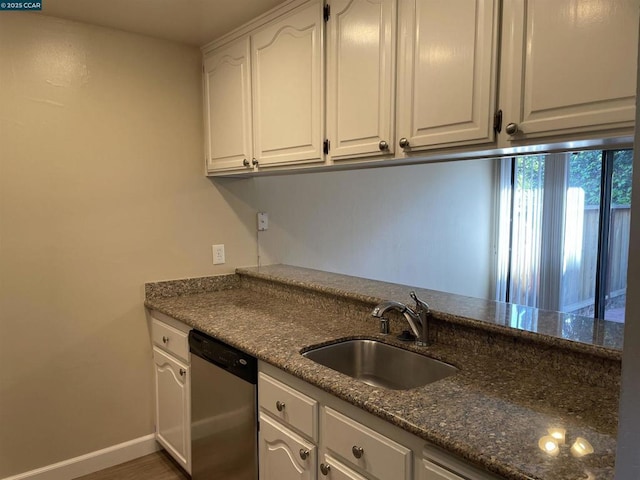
<point>224,435</point>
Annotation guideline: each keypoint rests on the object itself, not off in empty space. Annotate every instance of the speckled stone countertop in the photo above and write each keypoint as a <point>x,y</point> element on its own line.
<point>492,413</point>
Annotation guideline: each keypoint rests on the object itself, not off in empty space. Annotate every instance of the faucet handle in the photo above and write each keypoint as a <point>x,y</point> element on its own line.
<point>421,305</point>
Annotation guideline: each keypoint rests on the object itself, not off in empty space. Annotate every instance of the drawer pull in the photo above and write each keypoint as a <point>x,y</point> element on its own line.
<point>165,340</point>
<point>357,451</point>
<point>279,406</point>
<point>182,372</point>
<point>325,468</point>
<point>304,453</point>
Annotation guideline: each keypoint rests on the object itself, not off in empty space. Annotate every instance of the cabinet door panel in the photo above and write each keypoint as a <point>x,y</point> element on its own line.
<point>447,73</point>
<point>280,453</point>
<point>173,406</point>
<point>227,92</point>
<point>569,65</point>
<point>360,76</point>
<point>287,61</point>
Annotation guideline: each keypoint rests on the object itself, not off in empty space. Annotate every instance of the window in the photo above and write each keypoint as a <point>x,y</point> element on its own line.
<point>564,232</point>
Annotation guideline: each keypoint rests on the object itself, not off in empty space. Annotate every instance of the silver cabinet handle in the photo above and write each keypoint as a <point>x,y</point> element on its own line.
<point>304,453</point>
<point>165,339</point>
<point>383,146</point>
<point>245,162</point>
<point>325,468</point>
<point>254,162</point>
<point>280,406</point>
<point>404,143</point>
<point>511,129</point>
<point>182,372</point>
<point>357,451</point>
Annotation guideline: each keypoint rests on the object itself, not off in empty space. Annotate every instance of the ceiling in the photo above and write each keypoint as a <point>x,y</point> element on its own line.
<point>194,22</point>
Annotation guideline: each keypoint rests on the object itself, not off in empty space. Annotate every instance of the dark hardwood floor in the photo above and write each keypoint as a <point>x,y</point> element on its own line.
<point>156,466</point>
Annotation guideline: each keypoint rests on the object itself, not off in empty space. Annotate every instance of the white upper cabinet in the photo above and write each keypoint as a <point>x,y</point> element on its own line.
<point>447,69</point>
<point>288,88</point>
<point>361,43</point>
<point>227,104</point>
<point>568,66</point>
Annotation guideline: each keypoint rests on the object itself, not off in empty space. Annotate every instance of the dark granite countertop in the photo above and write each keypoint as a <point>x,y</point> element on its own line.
<point>492,413</point>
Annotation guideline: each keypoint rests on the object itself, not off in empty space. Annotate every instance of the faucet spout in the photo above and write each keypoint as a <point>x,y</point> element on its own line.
<point>417,319</point>
<point>411,316</point>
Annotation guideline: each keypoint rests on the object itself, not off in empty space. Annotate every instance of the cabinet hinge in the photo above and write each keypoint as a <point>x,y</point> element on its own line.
<point>327,12</point>
<point>497,121</point>
<point>325,146</point>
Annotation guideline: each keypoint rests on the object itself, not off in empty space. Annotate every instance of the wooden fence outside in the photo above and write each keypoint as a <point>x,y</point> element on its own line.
<point>579,281</point>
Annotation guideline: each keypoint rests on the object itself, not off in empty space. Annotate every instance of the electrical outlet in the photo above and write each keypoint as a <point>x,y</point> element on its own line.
<point>263,221</point>
<point>218,254</point>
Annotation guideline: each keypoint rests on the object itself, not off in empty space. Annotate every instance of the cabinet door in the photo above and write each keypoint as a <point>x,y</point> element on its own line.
<point>173,407</point>
<point>568,66</point>
<point>227,107</point>
<point>288,90</point>
<point>283,454</point>
<point>360,77</point>
<point>447,72</point>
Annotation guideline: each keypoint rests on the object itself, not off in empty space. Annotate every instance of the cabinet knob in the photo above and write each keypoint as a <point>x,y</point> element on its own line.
<point>245,162</point>
<point>254,162</point>
<point>511,129</point>
<point>182,372</point>
<point>325,468</point>
<point>357,451</point>
<point>383,146</point>
<point>304,453</point>
<point>279,406</point>
<point>165,339</point>
<point>404,143</point>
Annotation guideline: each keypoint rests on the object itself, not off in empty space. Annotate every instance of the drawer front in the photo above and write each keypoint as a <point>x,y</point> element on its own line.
<point>431,471</point>
<point>332,469</point>
<point>170,339</point>
<point>290,406</point>
<point>365,448</point>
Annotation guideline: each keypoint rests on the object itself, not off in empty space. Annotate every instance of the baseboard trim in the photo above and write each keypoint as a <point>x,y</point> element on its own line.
<point>94,461</point>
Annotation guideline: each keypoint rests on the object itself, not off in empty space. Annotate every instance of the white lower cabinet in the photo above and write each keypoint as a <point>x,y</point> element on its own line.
<point>347,444</point>
<point>284,455</point>
<point>172,374</point>
<point>172,406</point>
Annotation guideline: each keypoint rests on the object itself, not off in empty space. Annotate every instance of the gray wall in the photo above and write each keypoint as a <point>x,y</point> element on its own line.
<point>423,225</point>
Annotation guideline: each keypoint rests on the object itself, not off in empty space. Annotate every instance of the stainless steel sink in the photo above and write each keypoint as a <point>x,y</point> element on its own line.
<point>381,365</point>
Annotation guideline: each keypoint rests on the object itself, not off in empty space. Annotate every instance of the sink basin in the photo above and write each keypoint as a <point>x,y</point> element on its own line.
<point>381,365</point>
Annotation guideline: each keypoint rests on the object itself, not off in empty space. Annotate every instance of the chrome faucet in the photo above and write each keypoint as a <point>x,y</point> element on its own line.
<point>418,319</point>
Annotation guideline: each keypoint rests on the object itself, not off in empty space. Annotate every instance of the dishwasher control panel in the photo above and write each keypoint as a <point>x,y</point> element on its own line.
<point>224,356</point>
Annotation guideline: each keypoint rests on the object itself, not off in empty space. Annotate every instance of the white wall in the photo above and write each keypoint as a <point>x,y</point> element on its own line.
<point>101,189</point>
<point>423,225</point>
